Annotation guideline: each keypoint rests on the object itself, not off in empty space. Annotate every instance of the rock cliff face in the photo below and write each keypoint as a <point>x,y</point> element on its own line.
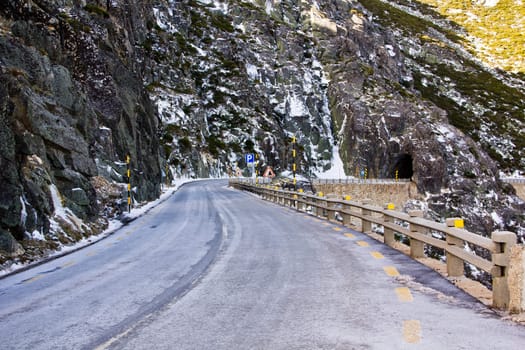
<point>406,98</point>
<point>72,106</point>
<point>194,85</point>
<point>395,92</point>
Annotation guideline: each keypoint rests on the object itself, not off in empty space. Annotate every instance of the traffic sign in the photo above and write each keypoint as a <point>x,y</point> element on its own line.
<point>250,159</point>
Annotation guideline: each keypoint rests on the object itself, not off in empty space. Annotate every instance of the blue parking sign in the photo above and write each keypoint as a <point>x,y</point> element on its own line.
<point>250,159</point>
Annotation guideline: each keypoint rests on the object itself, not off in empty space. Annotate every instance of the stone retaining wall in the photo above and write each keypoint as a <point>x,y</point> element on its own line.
<point>520,190</point>
<point>379,194</point>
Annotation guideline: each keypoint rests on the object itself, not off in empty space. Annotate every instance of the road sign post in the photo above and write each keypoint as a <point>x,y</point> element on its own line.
<point>250,161</point>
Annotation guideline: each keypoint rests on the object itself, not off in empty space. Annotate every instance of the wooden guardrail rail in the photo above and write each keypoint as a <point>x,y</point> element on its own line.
<point>412,225</point>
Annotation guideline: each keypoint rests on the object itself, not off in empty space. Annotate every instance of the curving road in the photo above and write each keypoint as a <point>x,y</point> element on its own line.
<point>215,268</point>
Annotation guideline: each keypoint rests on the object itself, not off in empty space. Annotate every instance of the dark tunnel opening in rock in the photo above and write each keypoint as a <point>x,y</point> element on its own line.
<point>404,167</point>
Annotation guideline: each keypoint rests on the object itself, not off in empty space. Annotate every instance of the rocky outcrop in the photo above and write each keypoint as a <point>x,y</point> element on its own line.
<point>389,119</point>
<point>72,105</point>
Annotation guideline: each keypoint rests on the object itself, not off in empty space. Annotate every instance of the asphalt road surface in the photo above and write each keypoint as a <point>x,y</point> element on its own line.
<point>216,268</point>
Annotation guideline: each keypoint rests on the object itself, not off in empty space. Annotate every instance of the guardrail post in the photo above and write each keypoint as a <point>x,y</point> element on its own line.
<point>330,211</point>
<point>455,265</point>
<point>503,242</point>
<point>366,226</point>
<point>388,233</point>
<point>347,219</point>
<point>417,248</point>
<point>324,204</point>
<point>318,201</point>
<point>295,203</point>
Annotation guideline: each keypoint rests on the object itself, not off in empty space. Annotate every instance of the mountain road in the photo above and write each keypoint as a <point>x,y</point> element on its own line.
<point>216,268</point>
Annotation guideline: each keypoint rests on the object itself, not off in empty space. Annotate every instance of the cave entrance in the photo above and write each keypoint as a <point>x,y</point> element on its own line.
<point>404,167</point>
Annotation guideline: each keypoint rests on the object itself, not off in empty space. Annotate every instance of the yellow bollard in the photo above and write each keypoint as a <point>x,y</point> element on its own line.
<point>320,194</point>
<point>390,206</point>
<point>347,198</point>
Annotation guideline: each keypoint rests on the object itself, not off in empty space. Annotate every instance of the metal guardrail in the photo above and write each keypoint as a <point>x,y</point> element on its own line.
<point>412,225</point>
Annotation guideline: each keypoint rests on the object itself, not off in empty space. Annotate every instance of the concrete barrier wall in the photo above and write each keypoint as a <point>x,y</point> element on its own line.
<point>379,194</point>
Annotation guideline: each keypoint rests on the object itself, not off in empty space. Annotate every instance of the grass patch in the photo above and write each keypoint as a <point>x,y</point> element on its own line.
<point>411,25</point>
<point>215,145</point>
<point>222,22</point>
<point>97,10</point>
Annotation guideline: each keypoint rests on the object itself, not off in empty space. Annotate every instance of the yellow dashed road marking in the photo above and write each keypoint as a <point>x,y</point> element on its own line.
<point>403,294</point>
<point>377,255</point>
<point>92,254</point>
<point>71,263</point>
<point>362,243</point>
<point>349,235</point>
<point>412,331</point>
<point>120,238</point>
<point>337,229</point>
<point>391,271</point>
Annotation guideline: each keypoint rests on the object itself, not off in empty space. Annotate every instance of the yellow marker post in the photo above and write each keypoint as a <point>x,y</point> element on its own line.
<point>293,160</point>
<point>347,198</point>
<point>128,164</point>
<point>390,206</point>
<point>459,223</point>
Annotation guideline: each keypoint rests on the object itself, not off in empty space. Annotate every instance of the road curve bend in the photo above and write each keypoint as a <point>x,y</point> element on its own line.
<point>216,268</point>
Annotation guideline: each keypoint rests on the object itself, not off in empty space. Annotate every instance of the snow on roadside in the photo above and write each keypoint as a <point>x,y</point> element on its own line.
<point>337,170</point>
<point>113,226</point>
